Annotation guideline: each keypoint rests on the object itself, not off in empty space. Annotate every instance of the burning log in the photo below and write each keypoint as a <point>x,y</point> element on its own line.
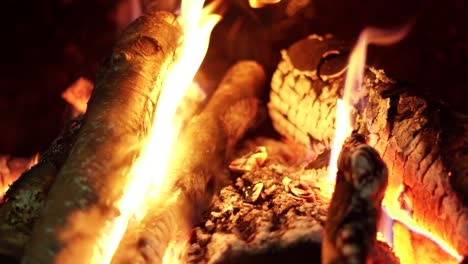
<point>82,198</point>
<point>355,207</point>
<point>422,142</point>
<point>199,168</point>
<point>25,198</point>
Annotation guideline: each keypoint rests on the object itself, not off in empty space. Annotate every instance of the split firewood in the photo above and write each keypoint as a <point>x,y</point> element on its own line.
<point>119,116</point>
<point>25,198</point>
<point>423,142</point>
<point>199,165</point>
<point>351,227</point>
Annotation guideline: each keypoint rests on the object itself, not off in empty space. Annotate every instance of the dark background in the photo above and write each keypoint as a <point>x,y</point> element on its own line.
<point>46,45</point>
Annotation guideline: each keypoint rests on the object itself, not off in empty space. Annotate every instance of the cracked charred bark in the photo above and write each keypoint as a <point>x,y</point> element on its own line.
<point>423,142</point>
<point>25,198</point>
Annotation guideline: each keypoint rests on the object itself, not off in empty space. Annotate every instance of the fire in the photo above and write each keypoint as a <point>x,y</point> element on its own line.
<point>393,211</point>
<point>262,3</point>
<point>396,212</point>
<point>11,169</point>
<point>343,129</point>
<point>149,171</point>
<point>78,94</point>
<point>352,96</point>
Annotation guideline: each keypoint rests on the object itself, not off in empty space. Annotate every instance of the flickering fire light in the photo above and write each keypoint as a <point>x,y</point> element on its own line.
<point>149,172</point>
<point>78,94</point>
<point>11,169</point>
<point>352,95</point>
<point>345,119</point>
<point>262,3</point>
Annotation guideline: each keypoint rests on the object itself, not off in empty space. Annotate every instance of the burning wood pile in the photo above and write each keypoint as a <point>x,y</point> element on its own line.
<point>367,172</point>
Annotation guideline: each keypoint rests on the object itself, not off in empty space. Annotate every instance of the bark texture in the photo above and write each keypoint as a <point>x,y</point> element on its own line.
<point>423,142</point>
<point>199,165</point>
<point>24,200</point>
<point>82,198</point>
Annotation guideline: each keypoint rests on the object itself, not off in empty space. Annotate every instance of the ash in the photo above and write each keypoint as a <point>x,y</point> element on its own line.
<point>274,225</point>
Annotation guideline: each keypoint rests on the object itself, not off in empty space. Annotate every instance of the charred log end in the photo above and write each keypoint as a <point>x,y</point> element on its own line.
<point>351,228</point>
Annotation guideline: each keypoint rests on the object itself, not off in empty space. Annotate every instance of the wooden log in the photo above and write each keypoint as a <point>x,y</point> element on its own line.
<point>351,227</point>
<point>282,225</point>
<point>24,200</point>
<point>82,198</point>
<point>423,142</point>
<point>199,165</point>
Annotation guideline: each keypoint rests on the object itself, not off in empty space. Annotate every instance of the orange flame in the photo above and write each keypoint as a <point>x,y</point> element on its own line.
<point>12,168</point>
<point>262,3</point>
<point>149,171</point>
<point>345,119</point>
<point>78,94</point>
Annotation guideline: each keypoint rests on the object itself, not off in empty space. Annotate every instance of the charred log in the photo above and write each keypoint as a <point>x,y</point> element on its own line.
<point>351,227</point>
<point>24,200</point>
<point>423,143</point>
<point>117,119</point>
<point>199,166</point>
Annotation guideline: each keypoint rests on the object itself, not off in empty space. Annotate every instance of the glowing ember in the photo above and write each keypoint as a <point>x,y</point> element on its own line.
<point>250,161</point>
<point>414,248</point>
<point>399,214</point>
<point>11,169</point>
<point>149,171</point>
<point>78,94</point>
<point>262,3</point>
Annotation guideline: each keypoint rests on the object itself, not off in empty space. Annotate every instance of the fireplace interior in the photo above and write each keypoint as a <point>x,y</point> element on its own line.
<point>254,175</point>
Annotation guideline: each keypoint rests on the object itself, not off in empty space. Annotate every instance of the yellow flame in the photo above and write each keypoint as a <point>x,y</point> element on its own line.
<point>343,129</point>
<point>345,114</point>
<point>149,171</point>
<point>175,250</point>
<point>34,160</point>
